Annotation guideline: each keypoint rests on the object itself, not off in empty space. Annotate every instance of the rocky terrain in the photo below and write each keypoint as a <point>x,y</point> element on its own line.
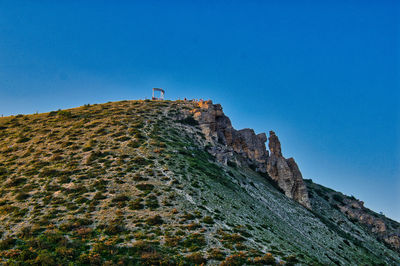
<point>170,183</point>
<point>218,129</point>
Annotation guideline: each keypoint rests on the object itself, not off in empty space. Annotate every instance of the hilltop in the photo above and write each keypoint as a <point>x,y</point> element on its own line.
<point>170,183</point>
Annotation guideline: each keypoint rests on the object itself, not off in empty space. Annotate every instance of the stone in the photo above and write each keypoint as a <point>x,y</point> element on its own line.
<point>217,128</point>
<point>355,210</point>
<point>299,190</point>
<point>286,173</point>
<point>274,144</point>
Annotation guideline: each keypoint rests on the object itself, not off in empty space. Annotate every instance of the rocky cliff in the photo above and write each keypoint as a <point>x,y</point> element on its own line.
<point>286,173</point>
<point>218,129</point>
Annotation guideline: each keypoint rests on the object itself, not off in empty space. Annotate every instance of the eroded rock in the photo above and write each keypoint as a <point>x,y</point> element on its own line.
<point>356,211</point>
<point>218,129</point>
<point>286,173</point>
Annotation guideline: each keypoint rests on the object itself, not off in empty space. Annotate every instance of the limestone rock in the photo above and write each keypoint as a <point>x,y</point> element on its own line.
<point>286,173</point>
<point>218,129</point>
<point>274,144</point>
<point>252,146</point>
<point>299,190</point>
<point>355,210</point>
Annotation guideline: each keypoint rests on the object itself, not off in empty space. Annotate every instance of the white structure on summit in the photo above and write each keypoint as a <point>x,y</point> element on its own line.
<point>162,92</point>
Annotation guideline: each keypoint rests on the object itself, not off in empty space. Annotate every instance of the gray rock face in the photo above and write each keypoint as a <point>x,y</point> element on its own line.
<point>218,129</point>
<point>274,144</point>
<point>299,190</point>
<point>286,173</point>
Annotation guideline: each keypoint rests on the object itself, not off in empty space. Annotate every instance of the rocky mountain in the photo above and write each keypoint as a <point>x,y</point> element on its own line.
<point>170,183</point>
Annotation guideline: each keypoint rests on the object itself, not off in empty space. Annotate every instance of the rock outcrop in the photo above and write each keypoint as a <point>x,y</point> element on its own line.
<point>286,173</point>
<point>355,210</point>
<point>217,128</point>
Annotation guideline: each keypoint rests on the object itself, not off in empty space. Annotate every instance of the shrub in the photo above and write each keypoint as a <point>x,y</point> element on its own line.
<point>90,259</point>
<point>140,160</point>
<point>152,202</point>
<point>16,182</point>
<point>8,209</point>
<point>232,164</point>
<point>267,259</point>
<point>23,139</point>
<point>155,220</point>
<point>196,258</point>
<point>64,114</point>
<point>65,253</point>
<point>172,241</point>
<point>96,155</point>
<point>114,228</point>
<point>138,177</point>
<point>216,254</point>
<point>194,241</point>
<point>291,260</point>
<point>188,216</point>
<point>26,232</point>
<point>7,243</point>
<point>233,238</point>
<point>338,198</point>
<point>136,204</point>
<point>235,259</point>
<point>100,184</point>
<point>45,258</point>
<point>22,196</point>
<point>134,144</point>
<point>208,220</point>
<point>120,198</point>
<point>145,187</point>
<point>3,170</point>
<point>46,172</point>
<point>153,258</point>
<point>99,196</point>
<point>193,226</point>
<point>123,138</point>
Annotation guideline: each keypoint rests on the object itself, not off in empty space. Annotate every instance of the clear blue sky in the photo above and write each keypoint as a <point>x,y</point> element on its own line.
<point>323,74</point>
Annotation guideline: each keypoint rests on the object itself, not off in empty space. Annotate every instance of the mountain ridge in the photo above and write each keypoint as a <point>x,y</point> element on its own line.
<point>140,182</point>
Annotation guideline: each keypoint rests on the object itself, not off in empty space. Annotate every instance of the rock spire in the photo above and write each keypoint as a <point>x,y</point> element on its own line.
<point>286,173</point>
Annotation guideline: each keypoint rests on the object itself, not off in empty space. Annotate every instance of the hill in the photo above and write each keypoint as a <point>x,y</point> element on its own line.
<point>169,183</point>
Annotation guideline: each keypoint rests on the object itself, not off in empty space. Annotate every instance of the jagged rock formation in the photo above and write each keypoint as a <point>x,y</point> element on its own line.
<point>355,210</point>
<point>218,129</point>
<point>286,173</point>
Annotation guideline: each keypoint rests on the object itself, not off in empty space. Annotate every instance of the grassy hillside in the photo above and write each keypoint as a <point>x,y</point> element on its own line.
<point>131,182</point>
